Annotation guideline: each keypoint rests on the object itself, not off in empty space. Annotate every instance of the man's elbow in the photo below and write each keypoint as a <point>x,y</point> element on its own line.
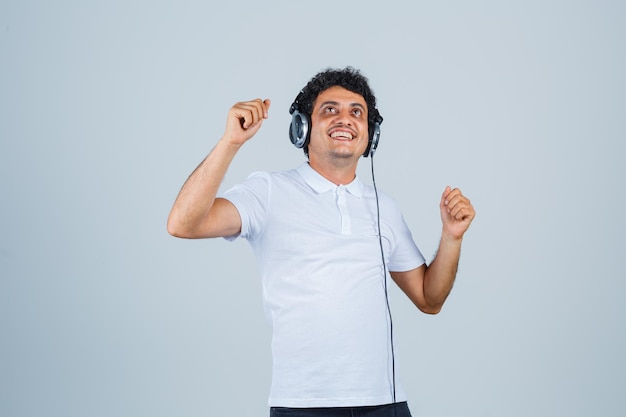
<point>432,310</point>
<point>177,229</point>
<point>432,307</point>
<point>174,231</point>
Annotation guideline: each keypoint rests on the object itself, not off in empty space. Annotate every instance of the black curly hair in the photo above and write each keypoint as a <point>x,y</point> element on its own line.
<point>349,78</point>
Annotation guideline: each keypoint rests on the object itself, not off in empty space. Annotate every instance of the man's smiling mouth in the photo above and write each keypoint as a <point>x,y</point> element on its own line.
<point>341,135</point>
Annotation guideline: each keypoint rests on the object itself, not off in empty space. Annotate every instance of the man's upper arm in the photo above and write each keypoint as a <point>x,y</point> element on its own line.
<point>223,220</point>
<point>412,284</point>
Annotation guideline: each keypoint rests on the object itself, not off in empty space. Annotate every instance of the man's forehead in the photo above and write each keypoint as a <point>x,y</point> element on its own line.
<point>340,91</point>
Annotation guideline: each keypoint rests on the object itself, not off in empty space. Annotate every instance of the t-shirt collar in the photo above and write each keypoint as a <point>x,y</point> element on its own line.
<point>320,184</point>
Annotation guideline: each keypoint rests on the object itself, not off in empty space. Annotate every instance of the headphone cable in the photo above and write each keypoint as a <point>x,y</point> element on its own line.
<point>382,255</point>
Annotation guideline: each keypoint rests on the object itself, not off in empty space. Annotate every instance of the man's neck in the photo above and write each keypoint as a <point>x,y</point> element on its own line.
<point>338,174</point>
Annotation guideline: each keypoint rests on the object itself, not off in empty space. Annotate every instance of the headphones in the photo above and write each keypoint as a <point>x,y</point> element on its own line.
<point>300,132</point>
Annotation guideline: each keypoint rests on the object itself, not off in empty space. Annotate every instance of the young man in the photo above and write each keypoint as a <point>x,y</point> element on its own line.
<point>325,243</point>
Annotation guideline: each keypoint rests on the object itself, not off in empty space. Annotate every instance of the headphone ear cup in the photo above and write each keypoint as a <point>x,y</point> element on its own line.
<point>373,142</point>
<point>299,129</point>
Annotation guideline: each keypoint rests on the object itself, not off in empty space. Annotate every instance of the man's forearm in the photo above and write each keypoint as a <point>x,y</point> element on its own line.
<point>440,274</point>
<point>197,195</point>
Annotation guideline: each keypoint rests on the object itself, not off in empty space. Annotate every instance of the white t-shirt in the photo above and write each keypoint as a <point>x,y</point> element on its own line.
<point>318,250</point>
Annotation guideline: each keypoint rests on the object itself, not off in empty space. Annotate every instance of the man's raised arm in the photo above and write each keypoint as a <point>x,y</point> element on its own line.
<point>196,212</point>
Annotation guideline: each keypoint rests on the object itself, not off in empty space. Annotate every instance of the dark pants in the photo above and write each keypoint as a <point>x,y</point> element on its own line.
<point>387,410</point>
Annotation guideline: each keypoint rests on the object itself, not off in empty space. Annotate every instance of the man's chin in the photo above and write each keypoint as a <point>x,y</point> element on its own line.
<point>342,155</point>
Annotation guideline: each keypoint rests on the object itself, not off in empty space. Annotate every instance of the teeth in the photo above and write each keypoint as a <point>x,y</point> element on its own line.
<point>341,135</point>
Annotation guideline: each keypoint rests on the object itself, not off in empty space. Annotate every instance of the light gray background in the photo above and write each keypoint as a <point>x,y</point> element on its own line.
<point>106,107</point>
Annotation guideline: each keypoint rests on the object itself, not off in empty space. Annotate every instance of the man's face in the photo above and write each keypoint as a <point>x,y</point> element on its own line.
<point>338,125</point>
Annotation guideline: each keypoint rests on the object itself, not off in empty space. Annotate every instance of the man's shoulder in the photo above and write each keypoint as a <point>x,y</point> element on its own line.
<point>272,178</point>
<point>270,173</point>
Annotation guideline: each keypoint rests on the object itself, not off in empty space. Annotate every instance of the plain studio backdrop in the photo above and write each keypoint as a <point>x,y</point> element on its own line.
<point>107,107</point>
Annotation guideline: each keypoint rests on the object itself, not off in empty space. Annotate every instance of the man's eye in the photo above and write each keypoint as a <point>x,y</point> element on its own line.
<point>330,110</point>
<point>357,112</point>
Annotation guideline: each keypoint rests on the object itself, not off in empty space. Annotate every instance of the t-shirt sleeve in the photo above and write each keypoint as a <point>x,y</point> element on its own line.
<point>251,199</point>
<point>405,255</point>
